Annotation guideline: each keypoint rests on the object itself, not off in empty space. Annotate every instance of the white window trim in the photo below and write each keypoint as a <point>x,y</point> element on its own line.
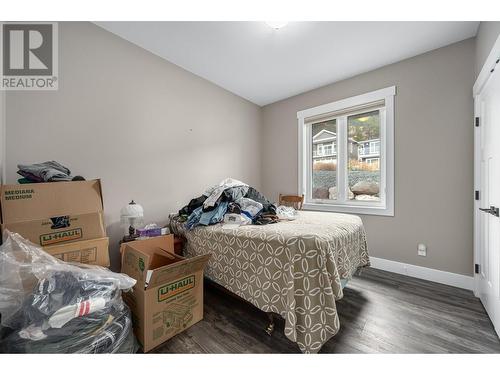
<point>384,208</point>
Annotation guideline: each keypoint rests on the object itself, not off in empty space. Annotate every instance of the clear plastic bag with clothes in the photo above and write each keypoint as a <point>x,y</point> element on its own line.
<point>50,306</point>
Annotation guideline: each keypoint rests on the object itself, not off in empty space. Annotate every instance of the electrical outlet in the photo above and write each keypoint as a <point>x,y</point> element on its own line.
<point>422,250</point>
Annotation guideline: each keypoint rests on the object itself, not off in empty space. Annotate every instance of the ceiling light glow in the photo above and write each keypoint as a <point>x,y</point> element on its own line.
<point>276,24</point>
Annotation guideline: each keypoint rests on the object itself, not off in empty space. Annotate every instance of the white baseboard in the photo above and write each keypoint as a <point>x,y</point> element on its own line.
<point>443,277</point>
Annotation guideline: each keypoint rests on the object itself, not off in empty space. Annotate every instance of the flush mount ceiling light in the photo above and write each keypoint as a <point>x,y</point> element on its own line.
<point>276,24</point>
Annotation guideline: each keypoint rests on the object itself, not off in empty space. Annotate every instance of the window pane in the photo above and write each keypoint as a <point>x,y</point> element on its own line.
<point>363,167</point>
<point>324,160</point>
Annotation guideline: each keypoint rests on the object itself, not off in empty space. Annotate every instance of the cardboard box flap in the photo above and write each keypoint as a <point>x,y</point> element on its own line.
<point>142,255</point>
<point>183,266</point>
<point>149,246</point>
<point>26,202</point>
<point>157,256</point>
<point>134,263</point>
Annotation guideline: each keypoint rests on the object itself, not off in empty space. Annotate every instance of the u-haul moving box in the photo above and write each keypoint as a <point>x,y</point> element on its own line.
<point>93,252</point>
<point>55,212</point>
<point>58,213</point>
<point>60,229</point>
<point>168,296</point>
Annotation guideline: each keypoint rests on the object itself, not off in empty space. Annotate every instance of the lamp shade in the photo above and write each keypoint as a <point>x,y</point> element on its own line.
<point>130,212</point>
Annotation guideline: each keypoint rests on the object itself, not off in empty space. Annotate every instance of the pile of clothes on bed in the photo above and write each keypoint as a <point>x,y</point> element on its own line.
<point>232,202</point>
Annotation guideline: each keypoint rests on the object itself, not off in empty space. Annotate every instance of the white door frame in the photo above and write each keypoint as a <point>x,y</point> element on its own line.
<point>490,64</point>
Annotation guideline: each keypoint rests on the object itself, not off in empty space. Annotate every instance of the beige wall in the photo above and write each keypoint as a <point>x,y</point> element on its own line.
<point>150,130</point>
<point>487,35</point>
<point>433,155</point>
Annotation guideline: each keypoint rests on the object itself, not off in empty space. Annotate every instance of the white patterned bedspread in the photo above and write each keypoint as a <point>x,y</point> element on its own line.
<point>292,268</point>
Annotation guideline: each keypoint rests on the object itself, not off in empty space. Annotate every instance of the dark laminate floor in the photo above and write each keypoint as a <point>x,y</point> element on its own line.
<point>381,312</point>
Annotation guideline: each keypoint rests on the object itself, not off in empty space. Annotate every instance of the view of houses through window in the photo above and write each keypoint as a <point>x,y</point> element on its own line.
<point>324,149</point>
<point>363,157</point>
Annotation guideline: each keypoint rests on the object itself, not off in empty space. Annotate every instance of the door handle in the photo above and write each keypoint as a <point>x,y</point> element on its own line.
<point>495,211</point>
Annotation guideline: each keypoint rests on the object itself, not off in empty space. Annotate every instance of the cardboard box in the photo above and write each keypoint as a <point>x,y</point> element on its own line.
<point>168,296</point>
<point>93,252</point>
<point>47,232</point>
<point>27,202</point>
<point>55,212</point>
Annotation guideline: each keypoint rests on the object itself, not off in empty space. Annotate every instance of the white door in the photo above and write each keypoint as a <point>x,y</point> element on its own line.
<point>488,257</point>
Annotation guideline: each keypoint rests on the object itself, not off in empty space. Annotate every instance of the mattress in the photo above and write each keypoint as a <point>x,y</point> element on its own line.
<point>293,268</point>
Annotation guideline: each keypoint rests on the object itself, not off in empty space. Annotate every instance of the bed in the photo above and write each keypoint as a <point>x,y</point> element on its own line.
<point>292,268</point>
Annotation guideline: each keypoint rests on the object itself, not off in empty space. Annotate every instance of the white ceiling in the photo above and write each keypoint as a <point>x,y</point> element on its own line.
<point>265,65</point>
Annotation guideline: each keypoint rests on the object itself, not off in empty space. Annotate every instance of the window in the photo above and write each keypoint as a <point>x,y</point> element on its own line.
<point>355,170</point>
<point>374,147</point>
<point>327,149</point>
<point>320,150</point>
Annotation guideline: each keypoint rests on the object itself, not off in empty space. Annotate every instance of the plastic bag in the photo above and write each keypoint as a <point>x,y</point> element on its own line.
<point>49,306</point>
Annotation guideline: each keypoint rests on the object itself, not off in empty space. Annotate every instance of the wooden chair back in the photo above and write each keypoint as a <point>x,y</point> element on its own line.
<point>295,201</point>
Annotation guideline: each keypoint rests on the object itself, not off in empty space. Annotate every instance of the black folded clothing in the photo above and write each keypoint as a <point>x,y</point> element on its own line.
<point>192,205</point>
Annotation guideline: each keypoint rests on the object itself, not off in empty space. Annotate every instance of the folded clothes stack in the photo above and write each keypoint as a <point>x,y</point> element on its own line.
<point>224,202</point>
<point>49,171</point>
